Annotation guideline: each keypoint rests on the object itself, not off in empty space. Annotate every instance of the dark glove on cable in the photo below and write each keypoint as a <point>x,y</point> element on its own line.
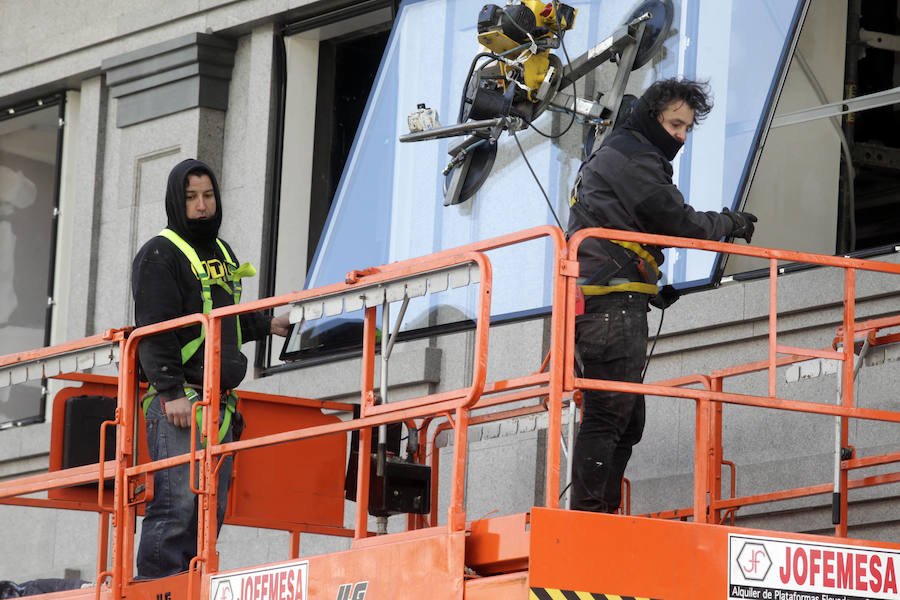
<point>741,224</point>
<point>665,298</point>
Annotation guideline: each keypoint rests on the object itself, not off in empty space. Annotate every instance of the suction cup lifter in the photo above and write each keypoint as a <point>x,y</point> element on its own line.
<point>516,78</point>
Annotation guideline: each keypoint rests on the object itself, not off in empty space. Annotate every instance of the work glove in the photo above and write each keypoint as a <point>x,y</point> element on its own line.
<point>741,224</point>
<point>665,298</point>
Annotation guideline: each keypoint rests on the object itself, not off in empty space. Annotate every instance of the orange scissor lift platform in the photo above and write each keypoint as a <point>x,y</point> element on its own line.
<point>289,466</point>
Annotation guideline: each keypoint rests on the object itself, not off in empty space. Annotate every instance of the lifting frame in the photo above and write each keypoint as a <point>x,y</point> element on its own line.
<point>546,549</point>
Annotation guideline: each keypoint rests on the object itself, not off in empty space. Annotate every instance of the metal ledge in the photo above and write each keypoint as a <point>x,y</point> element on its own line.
<point>77,360</point>
<point>414,286</point>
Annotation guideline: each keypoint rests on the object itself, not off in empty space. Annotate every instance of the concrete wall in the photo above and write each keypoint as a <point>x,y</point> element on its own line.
<point>113,200</point>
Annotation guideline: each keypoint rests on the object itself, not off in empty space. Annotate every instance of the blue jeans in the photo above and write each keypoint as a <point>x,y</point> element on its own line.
<point>169,531</point>
<point>612,341</point>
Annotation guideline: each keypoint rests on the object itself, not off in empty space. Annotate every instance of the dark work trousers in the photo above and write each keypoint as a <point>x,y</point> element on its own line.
<point>169,530</point>
<point>612,341</point>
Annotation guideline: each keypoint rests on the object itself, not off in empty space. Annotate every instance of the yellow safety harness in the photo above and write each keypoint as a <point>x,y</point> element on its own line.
<point>629,286</point>
<point>626,286</point>
<point>230,280</point>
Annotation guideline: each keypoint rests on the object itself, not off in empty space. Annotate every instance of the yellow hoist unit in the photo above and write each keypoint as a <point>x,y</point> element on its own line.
<point>523,35</point>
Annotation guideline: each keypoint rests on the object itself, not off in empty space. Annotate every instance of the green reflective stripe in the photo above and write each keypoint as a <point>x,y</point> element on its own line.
<point>235,276</point>
<point>148,398</point>
<point>189,349</point>
<point>237,298</point>
<point>227,256</point>
<point>245,270</point>
<point>230,408</point>
<point>196,264</point>
<point>226,422</point>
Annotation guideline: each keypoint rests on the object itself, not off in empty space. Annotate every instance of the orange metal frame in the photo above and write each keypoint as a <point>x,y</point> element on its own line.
<point>551,388</point>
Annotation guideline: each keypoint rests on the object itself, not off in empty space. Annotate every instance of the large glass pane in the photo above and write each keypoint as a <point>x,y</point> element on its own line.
<point>389,205</point>
<point>27,198</point>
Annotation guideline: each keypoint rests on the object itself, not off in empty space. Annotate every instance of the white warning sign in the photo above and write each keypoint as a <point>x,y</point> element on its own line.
<point>780,569</point>
<point>280,582</point>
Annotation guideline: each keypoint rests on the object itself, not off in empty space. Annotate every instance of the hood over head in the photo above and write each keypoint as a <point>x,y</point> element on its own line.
<point>643,121</point>
<point>194,231</point>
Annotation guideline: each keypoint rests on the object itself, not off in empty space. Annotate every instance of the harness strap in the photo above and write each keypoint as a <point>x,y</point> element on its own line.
<point>233,274</point>
<point>641,252</point>
<point>629,286</point>
<point>230,407</point>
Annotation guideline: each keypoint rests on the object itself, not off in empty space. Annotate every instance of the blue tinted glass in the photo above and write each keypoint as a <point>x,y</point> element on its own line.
<point>389,205</point>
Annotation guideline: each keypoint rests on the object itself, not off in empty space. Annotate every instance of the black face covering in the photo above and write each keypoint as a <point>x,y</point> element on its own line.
<point>194,231</point>
<point>641,120</point>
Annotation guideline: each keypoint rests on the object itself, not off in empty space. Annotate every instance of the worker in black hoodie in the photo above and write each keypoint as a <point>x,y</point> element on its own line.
<point>184,270</point>
<point>627,184</point>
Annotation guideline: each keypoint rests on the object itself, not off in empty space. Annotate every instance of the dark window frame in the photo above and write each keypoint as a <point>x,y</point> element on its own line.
<point>12,112</point>
<point>317,15</point>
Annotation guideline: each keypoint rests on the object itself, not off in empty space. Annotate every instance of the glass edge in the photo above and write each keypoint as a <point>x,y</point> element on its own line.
<point>762,130</point>
<point>356,141</point>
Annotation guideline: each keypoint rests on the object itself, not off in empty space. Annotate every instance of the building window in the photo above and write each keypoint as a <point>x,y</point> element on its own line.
<point>30,137</point>
<point>389,203</point>
<point>330,62</point>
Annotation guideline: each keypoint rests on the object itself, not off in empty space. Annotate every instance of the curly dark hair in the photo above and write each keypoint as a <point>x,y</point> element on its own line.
<point>665,91</point>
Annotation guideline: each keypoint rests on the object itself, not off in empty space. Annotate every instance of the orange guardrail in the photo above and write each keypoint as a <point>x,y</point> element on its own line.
<point>708,443</point>
<point>434,413</point>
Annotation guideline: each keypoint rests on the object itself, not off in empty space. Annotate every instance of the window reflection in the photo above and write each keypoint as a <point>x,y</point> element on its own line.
<point>389,205</point>
<point>27,179</point>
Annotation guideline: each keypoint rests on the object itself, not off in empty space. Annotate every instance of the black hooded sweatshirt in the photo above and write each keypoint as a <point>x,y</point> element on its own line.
<point>165,287</point>
<point>627,184</point>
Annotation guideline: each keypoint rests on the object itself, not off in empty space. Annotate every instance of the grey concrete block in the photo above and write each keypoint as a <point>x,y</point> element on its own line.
<point>31,443</point>
<point>508,427</point>
<point>657,454</point>
<point>76,543</point>
<point>508,356</point>
<point>490,430</point>
<point>340,380</point>
<point>443,439</point>
<point>810,368</point>
<point>506,463</point>
<point>35,541</point>
<point>527,424</point>
<point>892,352</point>
<point>792,373</point>
<point>874,357</point>
<point>703,310</point>
<point>241,547</point>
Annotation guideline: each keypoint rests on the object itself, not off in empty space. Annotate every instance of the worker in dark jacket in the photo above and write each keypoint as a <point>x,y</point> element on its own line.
<point>627,184</point>
<point>184,270</point>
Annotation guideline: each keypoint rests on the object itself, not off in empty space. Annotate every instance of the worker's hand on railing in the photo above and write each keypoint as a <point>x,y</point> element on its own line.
<point>281,325</point>
<point>178,411</point>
